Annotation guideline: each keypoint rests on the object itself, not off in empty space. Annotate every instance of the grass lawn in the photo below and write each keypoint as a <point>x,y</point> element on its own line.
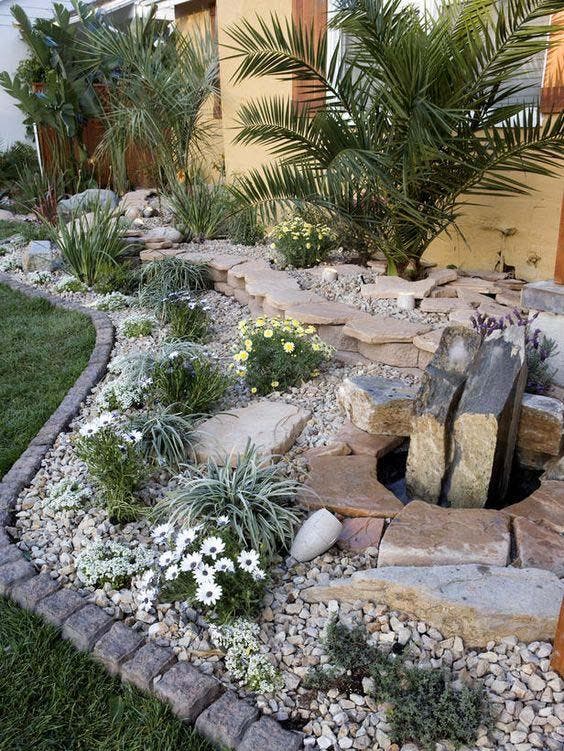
<point>43,351</point>
<point>53,698</point>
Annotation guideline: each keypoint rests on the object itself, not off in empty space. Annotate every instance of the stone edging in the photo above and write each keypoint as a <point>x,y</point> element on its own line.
<point>196,698</point>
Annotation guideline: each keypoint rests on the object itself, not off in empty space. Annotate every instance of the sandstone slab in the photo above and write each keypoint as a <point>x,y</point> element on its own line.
<point>544,506</point>
<point>378,405</point>
<point>474,283</point>
<point>366,444</point>
<point>361,533</point>
<point>443,276</point>
<point>426,535</point>
<point>477,602</point>
<point>541,424</point>
<point>379,330</point>
<point>270,426</point>
<point>429,341</point>
<point>538,546</point>
<point>445,304</point>
<point>389,287</point>
<point>348,485</point>
<point>317,313</point>
<point>396,354</point>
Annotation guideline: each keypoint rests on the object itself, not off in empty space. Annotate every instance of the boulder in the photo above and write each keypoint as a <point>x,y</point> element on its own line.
<point>538,546</point>
<point>87,199</point>
<point>425,535</point>
<point>437,400</point>
<point>348,485</point>
<point>379,330</point>
<point>486,421</point>
<point>136,199</point>
<point>40,255</point>
<point>316,535</point>
<point>366,444</point>
<point>476,602</point>
<point>389,287</point>
<point>270,426</point>
<point>163,234</point>
<point>361,533</point>
<point>544,506</point>
<point>378,405</point>
<point>541,424</point>
<point>6,216</point>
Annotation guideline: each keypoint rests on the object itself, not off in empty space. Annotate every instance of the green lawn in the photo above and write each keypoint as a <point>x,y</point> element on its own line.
<point>43,350</point>
<point>53,698</point>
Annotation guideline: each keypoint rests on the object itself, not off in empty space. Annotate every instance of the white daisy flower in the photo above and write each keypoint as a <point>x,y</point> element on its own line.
<point>204,574</point>
<point>88,430</point>
<point>166,558</point>
<point>248,560</point>
<point>146,598</point>
<point>172,572</point>
<point>222,521</point>
<point>161,533</point>
<point>184,538</point>
<point>136,436</point>
<point>258,574</point>
<point>209,593</point>
<point>146,578</point>
<point>191,562</point>
<point>225,564</point>
<point>212,546</point>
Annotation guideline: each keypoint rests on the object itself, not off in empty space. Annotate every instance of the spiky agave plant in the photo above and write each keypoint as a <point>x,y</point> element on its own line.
<point>412,112</point>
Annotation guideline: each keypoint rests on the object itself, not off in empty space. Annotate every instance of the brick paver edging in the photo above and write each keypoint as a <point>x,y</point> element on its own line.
<point>219,715</point>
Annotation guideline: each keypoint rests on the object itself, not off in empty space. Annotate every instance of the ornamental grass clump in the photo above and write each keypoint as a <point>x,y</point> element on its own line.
<point>159,279</point>
<point>113,458</point>
<point>112,562</point>
<point>191,385</point>
<point>276,354</point>
<point>167,437</point>
<point>186,316</point>
<point>301,243</point>
<point>206,568</point>
<point>254,496</point>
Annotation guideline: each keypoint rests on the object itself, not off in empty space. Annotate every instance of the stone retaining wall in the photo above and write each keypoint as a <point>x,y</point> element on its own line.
<point>218,715</point>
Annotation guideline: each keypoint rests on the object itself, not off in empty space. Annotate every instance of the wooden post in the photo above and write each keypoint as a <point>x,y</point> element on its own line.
<point>559,266</point>
<point>557,662</point>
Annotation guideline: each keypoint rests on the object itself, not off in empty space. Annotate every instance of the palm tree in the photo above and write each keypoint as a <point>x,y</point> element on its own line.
<point>407,119</point>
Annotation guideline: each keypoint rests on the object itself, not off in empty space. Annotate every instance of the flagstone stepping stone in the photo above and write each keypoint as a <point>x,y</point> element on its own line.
<point>271,426</point>
<point>429,341</point>
<point>348,485</point>
<point>426,535</point>
<point>152,254</point>
<point>445,304</point>
<point>474,283</point>
<point>342,269</point>
<point>538,546</point>
<point>380,406</point>
<point>362,443</point>
<point>336,337</point>
<point>335,448</point>
<point>361,533</point>
<point>477,602</point>
<point>260,283</point>
<point>389,287</point>
<point>541,424</point>
<point>237,275</point>
<point>544,506</point>
<point>443,276</point>
<point>378,330</point>
<point>163,234</point>
<point>284,297</point>
<point>317,313</point>
<point>220,265</point>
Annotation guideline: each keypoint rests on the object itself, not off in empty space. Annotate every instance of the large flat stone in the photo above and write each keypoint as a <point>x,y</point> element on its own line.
<point>445,304</point>
<point>361,533</point>
<point>538,546</point>
<point>378,330</point>
<point>271,426</point>
<point>390,287</point>
<point>396,354</point>
<point>486,421</point>
<point>541,424</point>
<point>317,313</point>
<point>348,485</point>
<point>544,506</point>
<point>474,283</point>
<point>426,535</point>
<point>546,296</point>
<point>442,276</point>
<point>434,408</point>
<point>429,341</point>
<point>366,444</point>
<point>378,405</point>
<point>477,602</point>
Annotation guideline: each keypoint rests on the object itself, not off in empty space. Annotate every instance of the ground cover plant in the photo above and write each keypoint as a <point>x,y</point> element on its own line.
<point>54,697</point>
<point>46,349</point>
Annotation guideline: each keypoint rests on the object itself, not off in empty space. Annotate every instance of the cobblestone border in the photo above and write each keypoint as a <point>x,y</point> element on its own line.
<point>201,700</point>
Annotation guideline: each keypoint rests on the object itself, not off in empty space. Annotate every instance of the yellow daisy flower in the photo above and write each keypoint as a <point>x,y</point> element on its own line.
<point>248,345</point>
<point>274,384</point>
<point>241,373</point>
<point>289,347</point>
<point>268,333</point>
<point>254,390</point>
<point>315,347</point>
<point>243,355</point>
<point>259,323</point>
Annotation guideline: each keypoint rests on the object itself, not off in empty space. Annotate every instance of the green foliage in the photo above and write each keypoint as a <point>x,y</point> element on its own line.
<point>113,460</point>
<point>121,277</point>
<point>91,245</point>
<point>167,437</point>
<point>244,227</point>
<point>425,708</point>
<point>54,697</point>
<point>278,354</point>
<point>254,496</point>
<point>18,158</point>
<point>200,208</point>
<point>189,385</point>
<point>167,276</point>
<point>44,350</point>
<point>301,243</point>
<point>137,325</point>
<point>186,317</point>
<point>26,230</point>
<point>411,112</point>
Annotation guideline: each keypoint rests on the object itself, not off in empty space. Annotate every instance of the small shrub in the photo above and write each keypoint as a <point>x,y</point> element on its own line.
<point>71,284</point>
<point>244,659</point>
<point>167,437</point>
<point>137,325</point>
<point>113,459</point>
<point>91,245</point>
<point>159,279</point>
<point>200,209</point>
<point>190,384</point>
<point>208,570</point>
<point>301,243</point>
<point>66,495</point>
<point>186,316</point>
<point>111,562</point>
<point>278,354</point>
<point>254,496</point>
<point>112,302</point>
<point>244,228</point>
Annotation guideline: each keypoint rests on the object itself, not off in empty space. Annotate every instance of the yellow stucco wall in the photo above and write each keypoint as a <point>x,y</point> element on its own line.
<point>521,229</point>
<point>239,159</point>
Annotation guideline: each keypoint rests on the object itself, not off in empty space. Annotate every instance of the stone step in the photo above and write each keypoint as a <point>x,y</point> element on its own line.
<point>477,602</point>
<point>372,330</point>
<point>318,313</point>
<point>390,287</point>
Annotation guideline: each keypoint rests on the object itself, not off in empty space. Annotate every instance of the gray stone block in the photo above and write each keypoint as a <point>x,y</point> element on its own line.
<point>59,606</point>
<point>226,721</point>
<point>39,255</point>
<point>13,572</point>
<point>27,594</point>
<point>116,646</point>
<point>546,296</point>
<point>146,664</point>
<point>268,734</point>
<point>86,626</point>
<point>187,690</point>
<point>10,553</point>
